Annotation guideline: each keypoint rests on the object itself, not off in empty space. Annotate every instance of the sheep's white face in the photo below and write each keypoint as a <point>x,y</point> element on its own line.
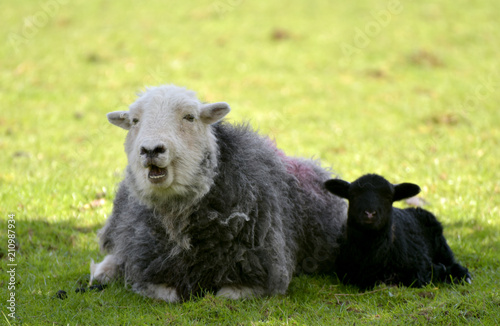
<point>170,145</point>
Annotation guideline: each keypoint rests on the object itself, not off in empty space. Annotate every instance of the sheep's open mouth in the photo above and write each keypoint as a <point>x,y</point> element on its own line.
<point>157,174</point>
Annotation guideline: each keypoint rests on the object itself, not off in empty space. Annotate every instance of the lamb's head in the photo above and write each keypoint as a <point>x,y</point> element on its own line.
<point>170,144</point>
<point>370,199</point>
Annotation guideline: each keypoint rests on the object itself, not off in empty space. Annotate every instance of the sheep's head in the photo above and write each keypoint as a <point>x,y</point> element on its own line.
<point>170,145</point>
<point>370,198</point>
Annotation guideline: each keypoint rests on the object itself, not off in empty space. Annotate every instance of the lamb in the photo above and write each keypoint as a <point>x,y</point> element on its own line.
<point>208,206</point>
<point>385,244</point>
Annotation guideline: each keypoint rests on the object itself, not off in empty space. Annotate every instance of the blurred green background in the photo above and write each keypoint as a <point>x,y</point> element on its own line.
<point>406,89</point>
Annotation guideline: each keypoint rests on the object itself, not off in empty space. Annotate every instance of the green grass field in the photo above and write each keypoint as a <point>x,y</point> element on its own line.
<point>406,89</point>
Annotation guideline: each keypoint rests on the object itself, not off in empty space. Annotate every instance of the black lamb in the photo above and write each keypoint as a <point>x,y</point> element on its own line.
<point>385,244</point>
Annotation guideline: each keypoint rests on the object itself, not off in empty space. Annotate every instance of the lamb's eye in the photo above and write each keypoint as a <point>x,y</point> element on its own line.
<point>135,121</point>
<point>189,117</point>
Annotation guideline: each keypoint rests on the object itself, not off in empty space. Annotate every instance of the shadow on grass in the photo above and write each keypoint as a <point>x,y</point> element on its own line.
<point>474,243</point>
<point>55,256</point>
<point>51,261</point>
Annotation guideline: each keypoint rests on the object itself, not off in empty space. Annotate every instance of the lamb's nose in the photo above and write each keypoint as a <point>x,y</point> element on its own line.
<point>370,214</point>
<point>153,152</point>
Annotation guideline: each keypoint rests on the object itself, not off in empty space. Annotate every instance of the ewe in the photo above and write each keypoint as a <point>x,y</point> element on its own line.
<point>386,244</point>
<point>210,206</point>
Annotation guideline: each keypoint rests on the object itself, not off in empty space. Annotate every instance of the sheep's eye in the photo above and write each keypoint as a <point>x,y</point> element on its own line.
<point>189,117</point>
<point>135,121</point>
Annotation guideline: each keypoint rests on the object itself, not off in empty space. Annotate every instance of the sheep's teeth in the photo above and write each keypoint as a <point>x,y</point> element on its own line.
<point>157,176</point>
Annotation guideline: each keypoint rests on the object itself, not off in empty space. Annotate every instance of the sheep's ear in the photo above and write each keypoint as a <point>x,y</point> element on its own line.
<point>213,112</point>
<point>405,190</point>
<point>338,187</point>
<point>120,119</point>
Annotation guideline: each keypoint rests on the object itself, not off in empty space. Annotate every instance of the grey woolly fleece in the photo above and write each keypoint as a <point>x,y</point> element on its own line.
<point>266,217</point>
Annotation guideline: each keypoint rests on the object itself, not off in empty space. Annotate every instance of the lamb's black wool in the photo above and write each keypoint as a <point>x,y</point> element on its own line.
<point>382,243</point>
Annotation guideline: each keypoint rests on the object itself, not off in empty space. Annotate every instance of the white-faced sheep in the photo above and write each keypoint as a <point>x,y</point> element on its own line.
<point>210,206</point>
<point>382,243</point>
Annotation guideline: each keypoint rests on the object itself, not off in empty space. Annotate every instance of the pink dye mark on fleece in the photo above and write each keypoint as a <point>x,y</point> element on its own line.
<point>301,169</point>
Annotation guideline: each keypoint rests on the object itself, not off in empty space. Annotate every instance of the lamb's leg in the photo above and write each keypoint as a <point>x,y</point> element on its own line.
<point>454,271</point>
<point>157,291</point>
<point>438,272</point>
<point>104,271</point>
<point>239,292</point>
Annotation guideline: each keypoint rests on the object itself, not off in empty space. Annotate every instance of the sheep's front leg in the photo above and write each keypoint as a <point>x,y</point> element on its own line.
<point>104,271</point>
<point>239,292</point>
<point>157,291</point>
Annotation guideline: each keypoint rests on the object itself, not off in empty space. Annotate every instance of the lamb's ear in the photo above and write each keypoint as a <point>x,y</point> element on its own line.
<point>120,119</point>
<point>213,112</point>
<point>338,187</point>
<point>405,190</point>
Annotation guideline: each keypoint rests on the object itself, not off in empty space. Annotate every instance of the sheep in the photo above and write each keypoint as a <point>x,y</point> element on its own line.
<point>385,244</point>
<point>210,206</point>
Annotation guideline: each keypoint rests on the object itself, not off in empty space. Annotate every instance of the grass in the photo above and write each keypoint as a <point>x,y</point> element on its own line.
<point>407,90</point>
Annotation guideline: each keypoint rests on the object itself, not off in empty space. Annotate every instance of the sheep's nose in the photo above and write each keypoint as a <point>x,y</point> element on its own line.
<point>370,214</point>
<point>152,152</point>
